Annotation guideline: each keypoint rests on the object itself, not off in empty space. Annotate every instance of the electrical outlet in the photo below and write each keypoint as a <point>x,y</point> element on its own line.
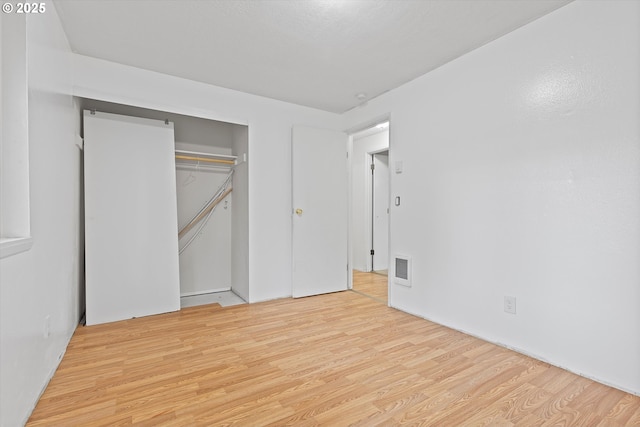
<point>510,305</point>
<point>46,327</point>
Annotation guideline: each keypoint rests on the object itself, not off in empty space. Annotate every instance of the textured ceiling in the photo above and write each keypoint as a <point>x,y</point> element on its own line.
<point>318,53</point>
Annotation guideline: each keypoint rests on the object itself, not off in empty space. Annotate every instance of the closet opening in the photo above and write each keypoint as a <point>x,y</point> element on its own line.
<point>211,178</point>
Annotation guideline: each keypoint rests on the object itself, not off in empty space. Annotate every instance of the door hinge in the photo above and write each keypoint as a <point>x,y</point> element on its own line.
<point>373,166</point>
<point>373,252</point>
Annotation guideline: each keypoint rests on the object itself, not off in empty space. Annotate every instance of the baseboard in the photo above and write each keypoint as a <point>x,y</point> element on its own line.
<point>204,292</point>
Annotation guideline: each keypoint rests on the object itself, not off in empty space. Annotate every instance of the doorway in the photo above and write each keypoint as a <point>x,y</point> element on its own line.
<point>370,211</point>
<point>380,212</point>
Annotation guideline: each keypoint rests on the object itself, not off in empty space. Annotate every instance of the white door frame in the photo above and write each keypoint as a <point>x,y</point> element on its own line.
<point>352,131</point>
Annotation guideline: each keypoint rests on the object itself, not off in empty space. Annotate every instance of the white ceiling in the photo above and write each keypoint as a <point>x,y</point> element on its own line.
<point>318,53</point>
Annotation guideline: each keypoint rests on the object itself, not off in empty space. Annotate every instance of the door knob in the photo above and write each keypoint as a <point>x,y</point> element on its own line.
<point>298,211</point>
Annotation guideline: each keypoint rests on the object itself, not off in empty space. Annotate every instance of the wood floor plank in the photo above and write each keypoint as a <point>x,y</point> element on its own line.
<point>334,359</point>
<point>624,410</point>
<point>515,405</point>
<point>561,399</point>
<point>374,285</point>
<point>635,419</point>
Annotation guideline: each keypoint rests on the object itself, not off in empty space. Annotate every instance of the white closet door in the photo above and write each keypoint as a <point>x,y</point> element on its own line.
<point>131,226</point>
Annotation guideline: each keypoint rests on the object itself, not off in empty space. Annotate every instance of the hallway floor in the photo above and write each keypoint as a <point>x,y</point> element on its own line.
<point>373,285</point>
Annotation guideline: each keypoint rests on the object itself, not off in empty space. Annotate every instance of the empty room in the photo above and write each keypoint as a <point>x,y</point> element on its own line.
<point>320,212</point>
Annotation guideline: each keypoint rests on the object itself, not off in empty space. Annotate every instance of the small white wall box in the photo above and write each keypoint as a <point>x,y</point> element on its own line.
<point>402,270</point>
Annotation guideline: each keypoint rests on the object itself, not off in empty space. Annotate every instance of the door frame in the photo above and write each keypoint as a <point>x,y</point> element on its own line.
<point>351,132</point>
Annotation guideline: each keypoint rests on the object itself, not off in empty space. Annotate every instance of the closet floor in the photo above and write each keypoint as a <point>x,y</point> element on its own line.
<point>225,299</point>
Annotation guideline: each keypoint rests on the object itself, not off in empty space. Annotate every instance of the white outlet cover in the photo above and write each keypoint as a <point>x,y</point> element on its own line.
<point>510,305</point>
<point>46,327</point>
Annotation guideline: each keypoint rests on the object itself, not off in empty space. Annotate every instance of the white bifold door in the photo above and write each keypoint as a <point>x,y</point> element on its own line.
<point>320,211</point>
<point>131,226</point>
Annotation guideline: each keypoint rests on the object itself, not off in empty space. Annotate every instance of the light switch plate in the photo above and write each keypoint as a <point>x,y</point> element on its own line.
<point>399,166</point>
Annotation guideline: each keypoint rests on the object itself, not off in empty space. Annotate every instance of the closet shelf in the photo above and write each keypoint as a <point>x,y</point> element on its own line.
<point>195,156</point>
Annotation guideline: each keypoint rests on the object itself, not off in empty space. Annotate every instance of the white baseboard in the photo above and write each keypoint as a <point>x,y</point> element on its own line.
<point>204,292</point>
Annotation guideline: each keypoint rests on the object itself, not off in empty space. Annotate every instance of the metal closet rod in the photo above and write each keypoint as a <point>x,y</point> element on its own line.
<point>205,157</point>
<point>204,213</point>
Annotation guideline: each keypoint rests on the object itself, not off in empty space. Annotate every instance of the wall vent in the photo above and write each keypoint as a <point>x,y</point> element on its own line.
<point>402,270</point>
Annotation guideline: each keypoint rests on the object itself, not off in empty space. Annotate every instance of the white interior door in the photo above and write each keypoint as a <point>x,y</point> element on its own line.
<point>320,211</point>
<point>380,232</point>
<point>131,225</point>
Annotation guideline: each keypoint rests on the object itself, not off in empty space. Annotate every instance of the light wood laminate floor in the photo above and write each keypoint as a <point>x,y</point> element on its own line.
<point>337,359</point>
<point>373,285</point>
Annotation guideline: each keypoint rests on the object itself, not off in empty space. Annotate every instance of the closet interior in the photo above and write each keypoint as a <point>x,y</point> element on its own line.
<point>211,177</point>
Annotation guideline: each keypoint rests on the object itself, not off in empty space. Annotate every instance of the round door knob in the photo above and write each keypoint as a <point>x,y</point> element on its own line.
<point>298,211</point>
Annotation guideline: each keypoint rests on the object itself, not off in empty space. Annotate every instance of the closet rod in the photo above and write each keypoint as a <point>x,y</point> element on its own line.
<point>205,159</point>
<point>203,213</point>
<point>207,155</point>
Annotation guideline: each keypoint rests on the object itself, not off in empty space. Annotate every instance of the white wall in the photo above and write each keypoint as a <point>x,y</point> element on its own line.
<point>14,128</point>
<point>361,196</point>
<point>43,282</point>
<point>522,178</point>
<point>240,220</point>
<point>269,150</point>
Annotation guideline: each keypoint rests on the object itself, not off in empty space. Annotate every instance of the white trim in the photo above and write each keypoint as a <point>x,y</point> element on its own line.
<point>13,246</point>
<point>204,292</point>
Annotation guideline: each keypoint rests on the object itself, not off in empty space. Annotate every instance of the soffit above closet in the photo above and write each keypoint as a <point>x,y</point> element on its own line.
<point>317,53</point>
<point>187,129</point>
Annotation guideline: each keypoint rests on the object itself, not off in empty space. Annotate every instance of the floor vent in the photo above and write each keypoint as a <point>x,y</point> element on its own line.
<point>402,271</point>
